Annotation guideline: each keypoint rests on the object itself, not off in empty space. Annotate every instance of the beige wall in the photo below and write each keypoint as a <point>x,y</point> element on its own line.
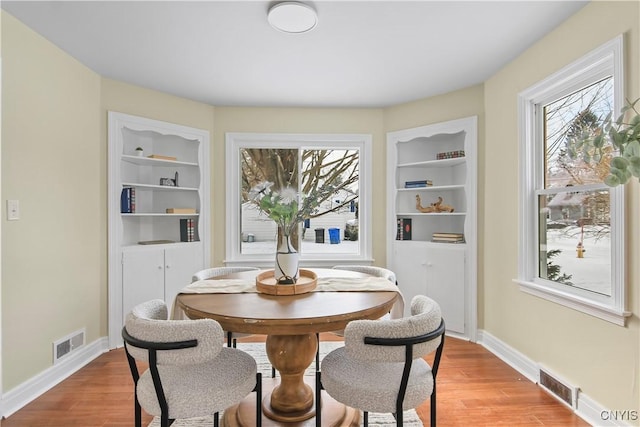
<point>599,357</point>
<point>299,120</point>
<point>53,258</point>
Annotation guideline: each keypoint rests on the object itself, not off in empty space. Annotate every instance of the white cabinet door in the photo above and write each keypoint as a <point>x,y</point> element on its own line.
<point>437,271</point>
<point>180,264</point>
<point>410,268</point>
<point>446,284</point>
<point>142,277</point>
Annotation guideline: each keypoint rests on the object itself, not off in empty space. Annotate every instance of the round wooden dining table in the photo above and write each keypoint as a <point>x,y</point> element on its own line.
<point>290,323</point>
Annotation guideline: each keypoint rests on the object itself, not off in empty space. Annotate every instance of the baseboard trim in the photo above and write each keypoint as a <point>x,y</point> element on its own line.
<point>510,356</point>
<point>586,408</point>
<point>29,390</point>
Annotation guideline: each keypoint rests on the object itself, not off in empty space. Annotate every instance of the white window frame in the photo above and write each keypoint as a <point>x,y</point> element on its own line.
<point>607,60</point>
<point>235,141</point>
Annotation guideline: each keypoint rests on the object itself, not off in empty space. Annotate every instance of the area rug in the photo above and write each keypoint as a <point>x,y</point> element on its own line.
<point>257,350</point>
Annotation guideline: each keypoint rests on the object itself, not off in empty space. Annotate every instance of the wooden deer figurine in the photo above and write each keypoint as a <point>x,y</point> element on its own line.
<point>434,207</point>
<point>428,209</point>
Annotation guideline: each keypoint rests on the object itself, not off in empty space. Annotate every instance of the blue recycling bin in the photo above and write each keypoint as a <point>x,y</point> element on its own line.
<point>334,235</point>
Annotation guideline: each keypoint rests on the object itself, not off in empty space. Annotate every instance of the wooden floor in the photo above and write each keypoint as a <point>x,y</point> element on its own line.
<point>475,388</point>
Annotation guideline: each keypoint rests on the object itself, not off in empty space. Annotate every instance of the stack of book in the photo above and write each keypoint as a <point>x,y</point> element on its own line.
<point>187,230</point>
<point>448,237</point>
<point>450,155</point>
<point>128,200</point>
<point>404,229</point>
<point>418,183</point>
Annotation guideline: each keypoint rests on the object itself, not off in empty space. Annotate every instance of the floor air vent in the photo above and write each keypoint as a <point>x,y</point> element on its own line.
<point>559,388</point>
<point>67,345</point>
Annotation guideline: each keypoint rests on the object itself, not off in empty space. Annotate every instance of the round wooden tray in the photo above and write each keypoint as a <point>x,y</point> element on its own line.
<point>266,283</point>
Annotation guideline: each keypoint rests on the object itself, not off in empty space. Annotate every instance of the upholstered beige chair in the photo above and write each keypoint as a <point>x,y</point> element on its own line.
<point>211,273</point>
<point>190,372</point>
<point>372,271</point>
<point>380,368</point>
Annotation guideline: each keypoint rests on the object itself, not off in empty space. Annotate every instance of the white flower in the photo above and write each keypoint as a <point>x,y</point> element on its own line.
<point>259,191</point>
<point>288,195</point>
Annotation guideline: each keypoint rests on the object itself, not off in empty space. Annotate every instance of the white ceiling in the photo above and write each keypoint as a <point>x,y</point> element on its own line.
<point>361,54</point>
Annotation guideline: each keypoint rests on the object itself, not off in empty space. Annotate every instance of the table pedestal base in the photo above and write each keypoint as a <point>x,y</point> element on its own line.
<point>333,413</point>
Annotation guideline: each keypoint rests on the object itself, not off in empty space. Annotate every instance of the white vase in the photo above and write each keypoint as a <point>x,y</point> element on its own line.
<point>287,260</point>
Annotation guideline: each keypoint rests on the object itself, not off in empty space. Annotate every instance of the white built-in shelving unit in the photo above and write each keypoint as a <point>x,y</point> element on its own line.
<point>444,271</point>
<point>148,257</point>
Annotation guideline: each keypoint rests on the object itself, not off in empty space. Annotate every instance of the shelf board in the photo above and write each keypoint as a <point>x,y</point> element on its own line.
<point>431,214</point>
<point>138,246</point>
<point>444,163</point>
<point>430,243</point>
<point>158,187</point>
<point>433,188</point>
<point>145,161</point>
<point>156,214</point>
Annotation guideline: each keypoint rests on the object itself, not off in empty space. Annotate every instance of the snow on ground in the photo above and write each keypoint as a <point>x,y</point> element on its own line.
<point>593,271</point>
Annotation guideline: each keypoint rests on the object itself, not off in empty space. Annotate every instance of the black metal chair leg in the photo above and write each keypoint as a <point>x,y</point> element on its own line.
<point>318,351</point>
<point>433,406</point>
<point>399,419</point>
<point>216,419</point>
<point>229,334</point>
<point>138,411</point>
<point>366,419</point>
<point>273,372</point>
<point>258,399</point>
<point>318,399</point>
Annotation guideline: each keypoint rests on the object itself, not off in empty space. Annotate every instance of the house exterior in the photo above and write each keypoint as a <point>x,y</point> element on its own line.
<point>54,260</point>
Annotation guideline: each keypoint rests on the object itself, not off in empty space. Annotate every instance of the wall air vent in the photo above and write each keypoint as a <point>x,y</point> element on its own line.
<point>67,345</point>
<point>559,388</point>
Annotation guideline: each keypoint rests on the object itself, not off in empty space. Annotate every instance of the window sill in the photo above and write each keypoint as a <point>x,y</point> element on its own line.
<point>610,314</point>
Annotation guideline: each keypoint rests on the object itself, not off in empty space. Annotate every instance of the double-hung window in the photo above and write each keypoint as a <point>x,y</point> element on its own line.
<point>571,247</point>
<point>338,230</point>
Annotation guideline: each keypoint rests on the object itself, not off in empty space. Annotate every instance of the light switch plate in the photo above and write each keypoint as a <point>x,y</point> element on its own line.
<point>13,210</point>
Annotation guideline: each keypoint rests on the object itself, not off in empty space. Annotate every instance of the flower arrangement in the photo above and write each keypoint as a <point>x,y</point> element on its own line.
<point>287,207</point>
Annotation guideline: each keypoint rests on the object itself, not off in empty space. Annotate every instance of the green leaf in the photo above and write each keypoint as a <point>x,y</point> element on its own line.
<point>634,166</point>
<point>612,181</point>
<point>598,141</point>
<point>632,149</point>
<point>619,163</point>
<point>618,173</point>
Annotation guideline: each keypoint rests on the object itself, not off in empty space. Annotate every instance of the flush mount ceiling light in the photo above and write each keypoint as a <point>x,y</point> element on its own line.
<point>292,17</point>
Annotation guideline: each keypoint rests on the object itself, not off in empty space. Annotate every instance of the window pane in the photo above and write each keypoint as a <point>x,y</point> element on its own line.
<point>279,166</point>
<point>575,239</point>
<point>329,176</point>
<point>334,225</point>
<point>565,120</point>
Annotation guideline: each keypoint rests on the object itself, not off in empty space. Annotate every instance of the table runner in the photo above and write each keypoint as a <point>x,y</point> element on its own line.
<point>325,284</point>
